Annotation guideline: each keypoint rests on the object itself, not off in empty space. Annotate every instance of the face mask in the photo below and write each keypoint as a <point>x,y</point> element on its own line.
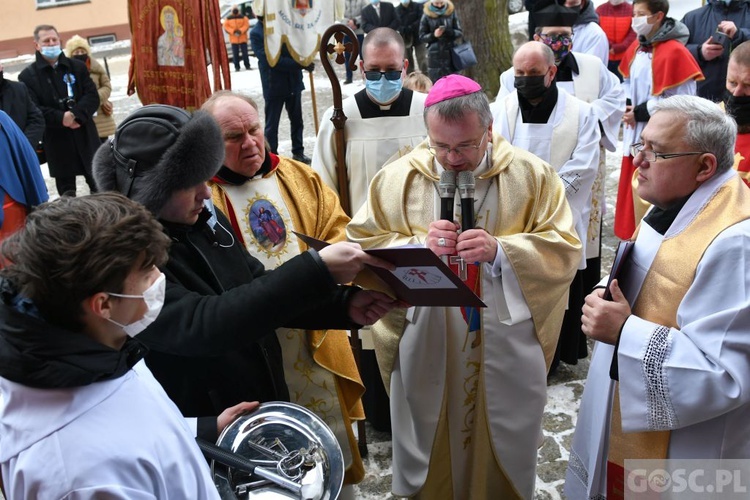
<point>531,87</point>
<point>405,2</point>
<point>81,57</point>
<point>52,52</point>
<point>438,10</point>
<point>383,91</point>
<point>153,296</point>
<point>738,107</point>
<point>560,45</point>
<point>640,25</point>
<point>616,2</point>
<point>374,1</point>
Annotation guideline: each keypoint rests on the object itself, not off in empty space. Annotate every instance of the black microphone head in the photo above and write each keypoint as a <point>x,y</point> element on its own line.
<point>466,184</point>
<point>447,185</point>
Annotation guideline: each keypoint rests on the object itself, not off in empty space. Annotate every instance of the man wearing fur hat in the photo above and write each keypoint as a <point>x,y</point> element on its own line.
<point>267,197</point>
<point>214,345</point>
<point>468,386</point>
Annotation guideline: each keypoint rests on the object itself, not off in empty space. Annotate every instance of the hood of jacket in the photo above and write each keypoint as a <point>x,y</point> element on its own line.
<point>588,14</point>
<point>435,15</point>
<point>670,30</point>
<point>37,354</point>
<point>52,371</point>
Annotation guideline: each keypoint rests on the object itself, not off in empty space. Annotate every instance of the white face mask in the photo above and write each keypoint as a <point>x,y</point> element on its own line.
<point>153,296</point>
<point>616,2</point>
<point>640,25</point>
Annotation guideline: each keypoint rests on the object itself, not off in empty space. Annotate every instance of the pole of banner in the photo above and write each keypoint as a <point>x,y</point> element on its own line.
<point>332,46</point>
<point>314,102</point>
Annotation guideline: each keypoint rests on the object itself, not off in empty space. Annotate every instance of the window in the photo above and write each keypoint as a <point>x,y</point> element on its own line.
<point>46,4</point>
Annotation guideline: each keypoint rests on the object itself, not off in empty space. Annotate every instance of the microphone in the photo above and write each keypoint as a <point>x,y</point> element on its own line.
<point>447,189</point>
<point>466,185</point>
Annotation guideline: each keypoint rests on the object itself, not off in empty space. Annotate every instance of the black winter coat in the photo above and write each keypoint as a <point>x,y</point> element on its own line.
<point>408,21</point>
<point>16,102</point>
<point>439,61</point>
<point>214,344</point>
<point>702,23</point>
<point>281,80</point>
<point>386,19</point>
<point>69,152</point>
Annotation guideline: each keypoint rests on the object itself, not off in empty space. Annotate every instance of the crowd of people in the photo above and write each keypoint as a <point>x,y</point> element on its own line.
<point>176,296</point>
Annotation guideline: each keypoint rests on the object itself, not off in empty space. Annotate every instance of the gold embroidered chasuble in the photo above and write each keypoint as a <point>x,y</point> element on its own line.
<point>528,214</point>
<point>318,364</point>
<point>664,287</point>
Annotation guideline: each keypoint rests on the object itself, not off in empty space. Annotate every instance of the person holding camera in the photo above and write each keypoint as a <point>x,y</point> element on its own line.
<point>716,29</point>
<point>63,90</point>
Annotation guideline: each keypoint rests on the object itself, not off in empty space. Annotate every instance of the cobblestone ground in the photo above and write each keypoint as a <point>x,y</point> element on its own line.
<point>565,387</point>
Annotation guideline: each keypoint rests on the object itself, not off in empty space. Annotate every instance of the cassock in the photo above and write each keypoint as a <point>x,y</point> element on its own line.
<point>664,70</point>
<point>374,135</point>
<point>682,355</point>
<point>467,403</point>
<point>319,366</point>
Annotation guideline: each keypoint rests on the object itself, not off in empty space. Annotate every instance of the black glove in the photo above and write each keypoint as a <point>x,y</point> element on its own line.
<point>310,67</point>
<point>237,32</point>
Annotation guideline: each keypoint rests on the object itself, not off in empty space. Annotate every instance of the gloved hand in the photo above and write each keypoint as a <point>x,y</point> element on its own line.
<point>310,67</point>
<point>237,32</point>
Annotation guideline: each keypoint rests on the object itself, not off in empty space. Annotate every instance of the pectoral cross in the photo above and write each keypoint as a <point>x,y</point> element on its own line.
<point>461,263</point>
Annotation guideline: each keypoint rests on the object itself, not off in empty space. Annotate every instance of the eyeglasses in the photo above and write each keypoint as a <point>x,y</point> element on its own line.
<point>392,75</point>
<point>461,150</point>
<point>653,155</point>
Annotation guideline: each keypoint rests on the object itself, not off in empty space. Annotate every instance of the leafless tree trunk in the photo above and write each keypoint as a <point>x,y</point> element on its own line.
<point>485,25</point>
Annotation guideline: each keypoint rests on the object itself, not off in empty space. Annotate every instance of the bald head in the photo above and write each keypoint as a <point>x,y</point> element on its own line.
<point>533,53</point>
<point>381,38</point>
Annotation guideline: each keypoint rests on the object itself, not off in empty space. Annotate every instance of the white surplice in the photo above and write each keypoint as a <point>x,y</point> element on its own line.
<point>370,144</point>
<point>702,374</point>
<point>590,38</point>
<point>574,130</point>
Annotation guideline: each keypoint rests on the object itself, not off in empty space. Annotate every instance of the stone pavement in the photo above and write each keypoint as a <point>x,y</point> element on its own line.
<point>565,386</point>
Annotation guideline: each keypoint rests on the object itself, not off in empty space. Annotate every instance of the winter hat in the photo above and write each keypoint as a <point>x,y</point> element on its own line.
<point>77,42</point>
<point>158,150</point>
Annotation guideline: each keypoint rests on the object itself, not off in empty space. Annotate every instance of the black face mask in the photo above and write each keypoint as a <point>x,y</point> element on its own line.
<point>81,57</point>
<point>738,107</point>
<point>530,87</point>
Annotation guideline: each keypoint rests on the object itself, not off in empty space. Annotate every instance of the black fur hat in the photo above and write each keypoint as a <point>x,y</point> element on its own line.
<point>157,150</point>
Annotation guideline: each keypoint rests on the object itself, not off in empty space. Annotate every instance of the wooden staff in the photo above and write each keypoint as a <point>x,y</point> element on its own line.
<point>314,102</point>
<point>332,43</point>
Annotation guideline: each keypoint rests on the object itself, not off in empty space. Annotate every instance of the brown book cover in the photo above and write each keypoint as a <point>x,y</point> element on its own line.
<point>420,278</point>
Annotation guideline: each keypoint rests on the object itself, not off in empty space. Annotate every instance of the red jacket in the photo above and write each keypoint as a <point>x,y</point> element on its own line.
<point>237,23</point>
<point>615,21</point>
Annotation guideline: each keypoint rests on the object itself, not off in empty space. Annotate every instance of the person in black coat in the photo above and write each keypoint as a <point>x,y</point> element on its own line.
<point>68,99</point>
<point>16,102</point>
<point>379,15</point>
<point>439,29</point>
<point>282,87</point>
<point>409,14</point>
<point>712,55</point>
<point>214,344</point>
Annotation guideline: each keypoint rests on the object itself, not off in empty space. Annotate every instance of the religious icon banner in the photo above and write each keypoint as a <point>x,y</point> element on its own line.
<point>172,43</point>
<point>299,24</point>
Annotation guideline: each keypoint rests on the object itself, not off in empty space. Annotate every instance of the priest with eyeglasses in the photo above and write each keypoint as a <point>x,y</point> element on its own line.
<point>468,385</point>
